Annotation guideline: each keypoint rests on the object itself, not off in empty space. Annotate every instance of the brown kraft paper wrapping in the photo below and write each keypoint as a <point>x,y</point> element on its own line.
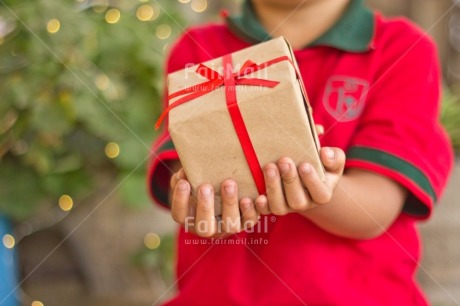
<point>278,121</point>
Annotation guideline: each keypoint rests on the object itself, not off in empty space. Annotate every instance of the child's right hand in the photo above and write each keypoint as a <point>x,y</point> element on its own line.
<point>197,214</point>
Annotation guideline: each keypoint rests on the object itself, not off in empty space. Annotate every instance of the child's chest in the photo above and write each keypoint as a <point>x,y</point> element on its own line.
<point>338,87</point>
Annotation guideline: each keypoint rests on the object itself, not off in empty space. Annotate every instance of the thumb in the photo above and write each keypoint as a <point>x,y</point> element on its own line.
<point>333,160</point>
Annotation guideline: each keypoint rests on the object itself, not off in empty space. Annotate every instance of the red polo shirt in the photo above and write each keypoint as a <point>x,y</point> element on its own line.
<point>374,84</point>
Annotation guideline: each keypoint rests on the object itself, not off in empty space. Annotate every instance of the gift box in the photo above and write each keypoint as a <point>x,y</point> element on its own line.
<point>230,116</point>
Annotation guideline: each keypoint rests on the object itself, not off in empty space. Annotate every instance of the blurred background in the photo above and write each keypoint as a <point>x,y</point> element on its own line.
<point>80,89</point>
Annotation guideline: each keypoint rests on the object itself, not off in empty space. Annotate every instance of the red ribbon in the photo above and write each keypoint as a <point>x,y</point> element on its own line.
<point>230,80</point>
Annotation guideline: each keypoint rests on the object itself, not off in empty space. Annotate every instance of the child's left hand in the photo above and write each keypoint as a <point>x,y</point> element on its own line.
<point>297,189</point>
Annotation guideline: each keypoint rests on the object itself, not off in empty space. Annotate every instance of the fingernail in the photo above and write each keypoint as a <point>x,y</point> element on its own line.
<point>205,191</point>
<point>305,168</point>
<point>284,168</point>
<point>271,172</point>
<point>182,185</point>
<point>330,153</point>
<point>229,189</point>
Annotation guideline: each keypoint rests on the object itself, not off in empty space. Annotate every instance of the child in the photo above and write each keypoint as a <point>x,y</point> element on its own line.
<point>374,85</point>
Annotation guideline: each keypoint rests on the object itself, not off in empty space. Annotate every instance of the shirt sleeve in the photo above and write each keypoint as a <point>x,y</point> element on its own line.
<point>163,151</point>
<point>399,135</point>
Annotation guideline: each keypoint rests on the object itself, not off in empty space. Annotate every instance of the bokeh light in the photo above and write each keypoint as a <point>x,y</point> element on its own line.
<point>37,303</point>
<point>199,5</point>
<point>8,241</point>
<point>53,26</point>
<point>152,241</point>
<point>65,202</point>
<point>163,31</point>
<point>112,150</point>
<point>147,13</point>
<point>102,81</point>
<point>184,1</point>
<point>112,16</point>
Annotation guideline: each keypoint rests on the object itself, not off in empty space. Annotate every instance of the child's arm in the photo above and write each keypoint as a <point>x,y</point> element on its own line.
<point>363,206</point>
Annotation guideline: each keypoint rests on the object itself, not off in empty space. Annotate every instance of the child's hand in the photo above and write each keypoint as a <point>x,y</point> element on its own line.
<point>197,215</point>
<point>297,189</point>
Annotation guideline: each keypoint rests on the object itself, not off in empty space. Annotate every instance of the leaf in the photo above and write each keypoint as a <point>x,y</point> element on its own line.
<point>20,195</point>
<point>72,182</point>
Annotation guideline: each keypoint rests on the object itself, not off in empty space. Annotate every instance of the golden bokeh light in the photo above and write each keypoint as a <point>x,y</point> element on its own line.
<point>184,1</point>
<point>102,81</point>
<point>53,26</point>
<point>147,13</point>
<point>112,150</point>
<point>8,241</point>
<point>152,241</point>
<point>37,303</point>
<point>112,16</point>
<point>199,5</point>
<point>163,31</point>
<point>65,202</point>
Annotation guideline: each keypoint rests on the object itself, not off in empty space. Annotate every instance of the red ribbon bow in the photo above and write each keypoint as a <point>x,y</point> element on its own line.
<point>229,80</point>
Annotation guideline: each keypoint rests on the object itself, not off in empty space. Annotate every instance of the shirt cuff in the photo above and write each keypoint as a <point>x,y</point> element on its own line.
<point>422,195</point>
<point>160,173</point>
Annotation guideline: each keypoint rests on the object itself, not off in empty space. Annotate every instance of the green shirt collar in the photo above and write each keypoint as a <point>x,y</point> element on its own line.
<point>353,32</point>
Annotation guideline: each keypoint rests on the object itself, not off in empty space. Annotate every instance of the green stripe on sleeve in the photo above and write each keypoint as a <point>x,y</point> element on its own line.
<point>394,163</point>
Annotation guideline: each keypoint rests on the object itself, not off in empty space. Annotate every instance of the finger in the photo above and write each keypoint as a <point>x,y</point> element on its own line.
<point>176,177</point>
<point>293,189</point>
<point>261,204</point>
<point>231,220</point>
<point>249,215</point>
<point>319,192</point>
<point>180,201</point>
<point>319,129</point>
<point>276,202</point>
<point>205,222</point>
<point>333,160</point>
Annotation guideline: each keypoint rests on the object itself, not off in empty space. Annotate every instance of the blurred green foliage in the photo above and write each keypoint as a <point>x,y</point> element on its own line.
<point>450,117</point>
<point>161,259</point>
<point>65,95</point>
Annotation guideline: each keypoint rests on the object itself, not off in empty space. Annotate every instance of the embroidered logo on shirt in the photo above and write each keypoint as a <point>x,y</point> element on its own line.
<point>344,97</point>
